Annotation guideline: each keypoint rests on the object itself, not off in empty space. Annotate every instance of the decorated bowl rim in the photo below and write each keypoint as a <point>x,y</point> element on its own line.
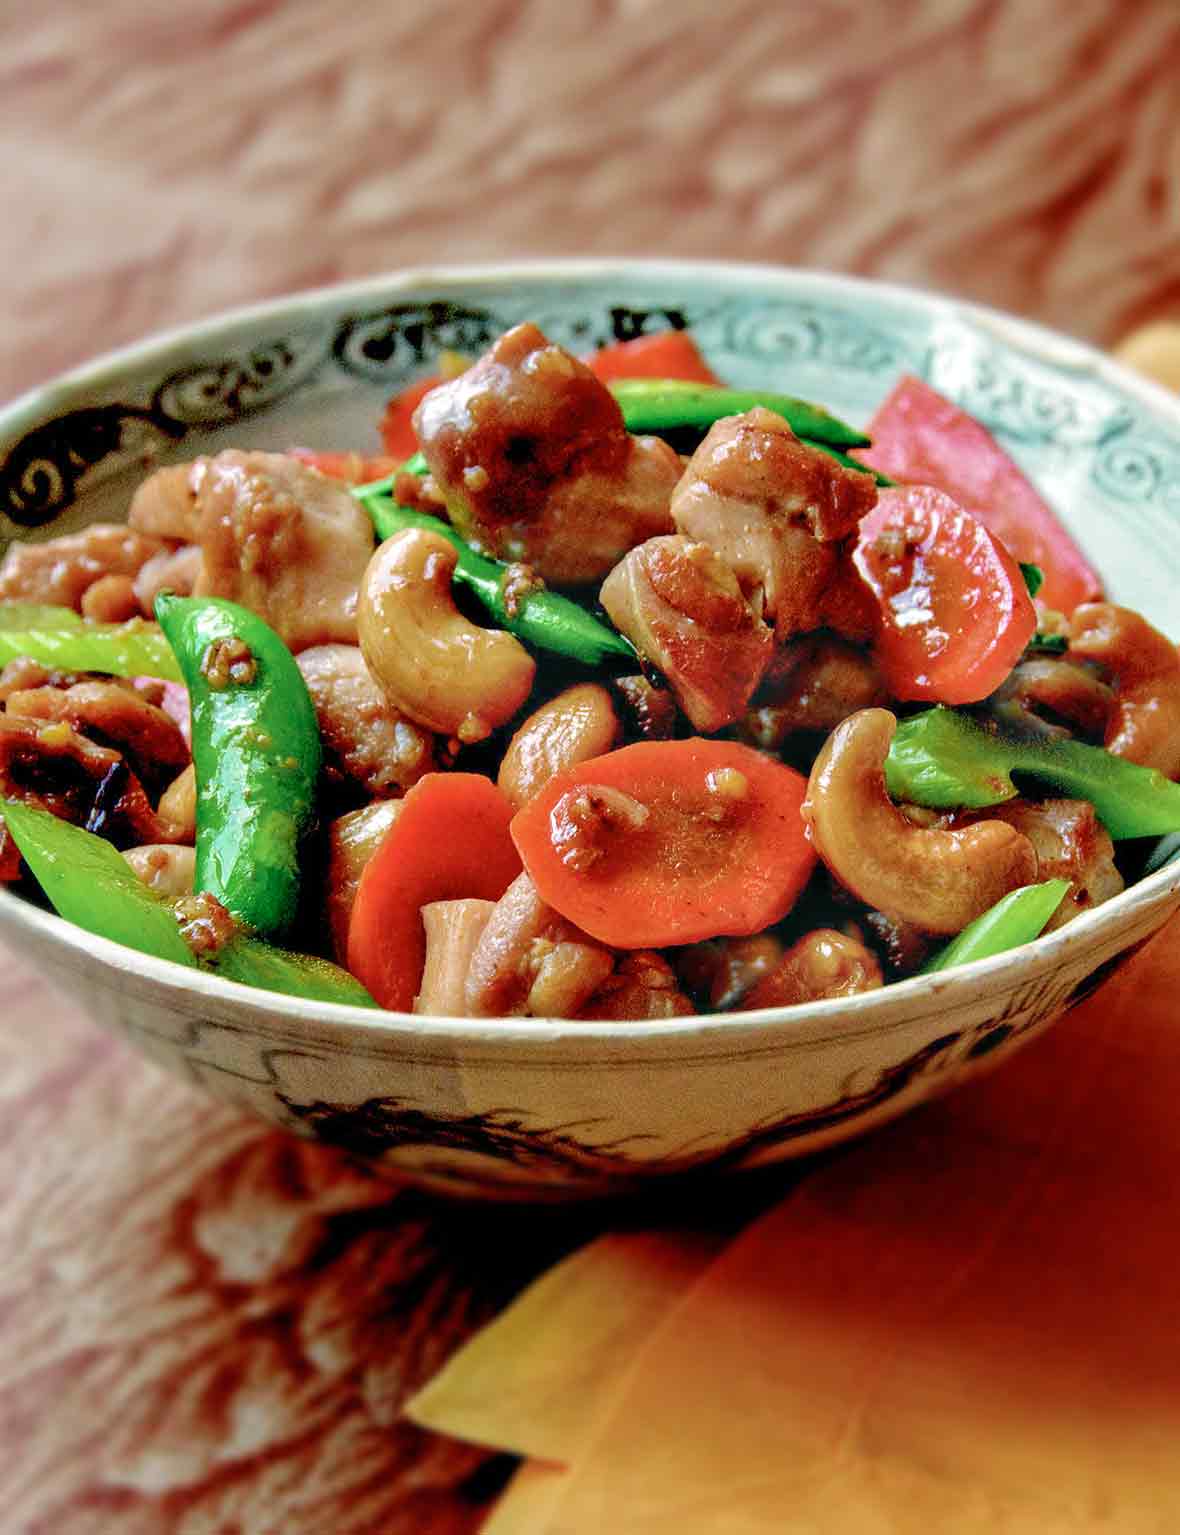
<point>818,1022</point>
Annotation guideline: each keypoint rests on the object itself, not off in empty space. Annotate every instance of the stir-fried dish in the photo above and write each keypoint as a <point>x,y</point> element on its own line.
<point>610,692</point>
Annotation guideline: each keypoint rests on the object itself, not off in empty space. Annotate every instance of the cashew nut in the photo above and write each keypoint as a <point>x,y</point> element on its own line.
<point>433,664</point>
<point>1144,722</point>
<point>580,723</point>
<point>164,867</point>
<point>937,879</point>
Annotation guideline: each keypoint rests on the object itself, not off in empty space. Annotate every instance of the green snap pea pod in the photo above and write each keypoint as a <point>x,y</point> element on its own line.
<point>944,760</point>
<point>541,618</point>
<point>664,404</point>
<point>38,615</point>
<point>256,750</point>
<point>71,644</point>
<point>90,884</point>
<point>1017,918</point>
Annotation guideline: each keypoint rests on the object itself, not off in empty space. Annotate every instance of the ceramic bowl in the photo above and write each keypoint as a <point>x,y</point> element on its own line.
<point>536,1109</point>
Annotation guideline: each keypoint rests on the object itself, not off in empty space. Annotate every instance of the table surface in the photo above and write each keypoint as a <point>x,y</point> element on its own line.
<point>204,1325</point>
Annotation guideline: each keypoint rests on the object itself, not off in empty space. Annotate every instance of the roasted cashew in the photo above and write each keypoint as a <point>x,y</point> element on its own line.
<point>433,665</point>
<point>580,723</point>
<point>939,880</point>
<point>1144,721</point>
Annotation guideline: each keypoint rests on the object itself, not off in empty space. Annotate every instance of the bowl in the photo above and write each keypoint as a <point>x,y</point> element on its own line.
<point>535,1109</point>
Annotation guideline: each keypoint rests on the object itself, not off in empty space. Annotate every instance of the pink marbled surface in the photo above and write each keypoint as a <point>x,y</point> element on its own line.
<point>203,1327</point>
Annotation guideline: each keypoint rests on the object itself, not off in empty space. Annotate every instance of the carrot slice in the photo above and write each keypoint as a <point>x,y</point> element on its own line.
<point>668,842</point>
<point>920,438</point>
<point>450,841</point>
<point>397,424</point>
<point>953,610</point>
<point>667,354</point>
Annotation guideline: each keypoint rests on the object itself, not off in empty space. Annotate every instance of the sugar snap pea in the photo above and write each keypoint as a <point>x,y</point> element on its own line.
<point>1016,918</point>
<point>90,884</point>
<point>256,750</point>
<point>943,759</point>
<point>61,639</point>
<point>544,619</point>
<point>660,405</point>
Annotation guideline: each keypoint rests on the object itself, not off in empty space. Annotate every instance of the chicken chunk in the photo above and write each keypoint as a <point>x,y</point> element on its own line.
<point>1071,843</point>
<point>364,735</point>
<point>114,714</point>
<point>812,684</point>
<point>823,963</point>
<point>172,570</point>
<point>778,512</point>
<point>284,540</point>
<point>529,452</point>
<point>530,961</point>
<point>61,570</point>
<point>681,607</point>
<point>642,989</point>
<point>165,505</point>
<point>53,767</point>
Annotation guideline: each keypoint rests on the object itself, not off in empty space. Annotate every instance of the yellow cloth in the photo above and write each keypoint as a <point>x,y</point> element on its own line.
<point>535,1380</point>
<point>969,1323</point>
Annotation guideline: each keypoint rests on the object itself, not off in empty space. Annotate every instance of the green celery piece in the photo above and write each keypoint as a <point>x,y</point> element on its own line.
<point>251,962</point>
<point>1016,918</point>
<point>1034,577</point>
<point>134,649</point>
<point>544,619</point>
<point>660,405</point>
<point>943,760</point>
<point>92,885</point>
<point>38,615</point>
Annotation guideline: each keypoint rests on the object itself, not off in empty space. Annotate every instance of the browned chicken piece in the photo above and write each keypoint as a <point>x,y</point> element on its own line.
<point>529,452</point>
<point>110,600</point>
<point>55,768</point>
<point>824,963</point>
<point>1071,843</point>
<point>648,712</point>
<point>285,541</point>
<point>364,736</point>
<point>720,971</point>
<point>1055,694</point>
<point>172,570</point>
<point>812,684</point>
<point>166,503</point>
<point>61,570</point>
<point>642,989</point>
<point>681,607</point>
<point>779,512</point>
<point>904,947</point>
<point>1144,721</point>
<point>114,714</point>
<point>531,961</point>
<point>24,672</point>
<point>352,841</point>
